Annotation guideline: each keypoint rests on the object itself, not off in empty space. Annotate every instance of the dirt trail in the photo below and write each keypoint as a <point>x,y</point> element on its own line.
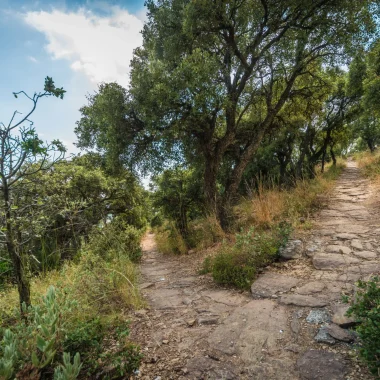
<point>196,330</point>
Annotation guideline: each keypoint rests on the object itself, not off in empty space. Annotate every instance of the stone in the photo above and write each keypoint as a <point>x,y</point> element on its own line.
<point>352,228</point>
<point>165,341</point>
<point>311,249</point>
<point>191,322</point>
<point>367,255</point>
<point>311,288</point>
<point>269,284</point>
<point>338,249</point>
<point>292,250</point>
<point>318,316</point>
<point>339,334</point>
<point>322,365</point>
<point>147,285</point>
<point>357,244</point>
<point>339,316</point>
<point>323,336</point>
<point>299,300</point>
<point>331,262</point>
<point>265,323</point>
<point>212,320</point>
<point>346,236</point>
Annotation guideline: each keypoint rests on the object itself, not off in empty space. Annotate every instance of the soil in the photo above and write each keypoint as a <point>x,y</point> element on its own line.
<point>194,329</point>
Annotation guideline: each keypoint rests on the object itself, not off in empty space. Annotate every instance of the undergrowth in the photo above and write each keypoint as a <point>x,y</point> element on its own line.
<point>93,297</point>
<point>366,309</point>
<point>265,222</point>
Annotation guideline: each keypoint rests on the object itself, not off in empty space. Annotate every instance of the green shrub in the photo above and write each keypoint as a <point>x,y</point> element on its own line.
<point>36,338</point>
<point>116,239</point>
<point>238,264</point>
<point>366,308</point>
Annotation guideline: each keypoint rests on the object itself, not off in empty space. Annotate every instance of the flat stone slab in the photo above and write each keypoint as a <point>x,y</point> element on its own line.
<point>357,244</point>
<point>292,250</point>
<point>346,236</point>
<point>251,327</point>
<point>332,261</point>
<point>299,300</point>
<point>367,255</point>
<point>322,365</point>
<point>311,288</point>
<point>338,249</point>
<point>271,283</point>
<point>224,297</point>
<point>352,228</point>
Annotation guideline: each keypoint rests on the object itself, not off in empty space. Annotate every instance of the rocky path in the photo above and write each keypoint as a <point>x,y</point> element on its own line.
<point>292,324</point>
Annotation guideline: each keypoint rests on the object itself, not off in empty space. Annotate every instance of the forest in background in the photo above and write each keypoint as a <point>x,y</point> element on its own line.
<point>238,110</point>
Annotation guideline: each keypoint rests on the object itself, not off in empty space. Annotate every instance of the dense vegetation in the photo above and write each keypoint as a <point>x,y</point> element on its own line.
<point>238,110</point>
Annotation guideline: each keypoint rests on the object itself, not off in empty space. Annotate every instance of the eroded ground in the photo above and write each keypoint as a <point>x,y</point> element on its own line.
<point>289,327</point>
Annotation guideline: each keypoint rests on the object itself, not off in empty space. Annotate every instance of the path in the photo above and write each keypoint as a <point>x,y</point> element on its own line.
<point>196,330</point>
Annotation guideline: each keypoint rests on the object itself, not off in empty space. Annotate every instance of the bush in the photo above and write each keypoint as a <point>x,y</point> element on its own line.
<point>35,340</point>
<point>366,308</point>
<point>170,241</point>
<point>116,239</point>
<point>238,264</point>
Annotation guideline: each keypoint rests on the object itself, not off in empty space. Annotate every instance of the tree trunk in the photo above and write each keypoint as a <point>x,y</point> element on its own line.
<point>333,155</point>
<point>23,284</point>
<point>323,161</point>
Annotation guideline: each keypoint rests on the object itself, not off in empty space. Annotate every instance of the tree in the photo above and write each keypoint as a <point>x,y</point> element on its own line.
<point>177,193</point>
<point>212,76</point>
<point>23,155</point>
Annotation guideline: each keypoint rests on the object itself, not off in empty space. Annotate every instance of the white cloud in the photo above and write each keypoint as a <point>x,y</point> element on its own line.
<point>32,59</point>
<point>100,47</point>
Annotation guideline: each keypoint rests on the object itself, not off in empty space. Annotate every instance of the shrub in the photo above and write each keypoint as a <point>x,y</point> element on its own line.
<point>238,264</point>
<point>35,340</point>
<point>170,241</point>
<point>116,239</point>
<point>366,308</point>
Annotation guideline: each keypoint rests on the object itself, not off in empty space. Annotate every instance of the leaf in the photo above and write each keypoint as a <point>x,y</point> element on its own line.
<point>41,343</point>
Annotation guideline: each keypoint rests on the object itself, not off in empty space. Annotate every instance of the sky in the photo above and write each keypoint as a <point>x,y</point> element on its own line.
<point>78,43</point>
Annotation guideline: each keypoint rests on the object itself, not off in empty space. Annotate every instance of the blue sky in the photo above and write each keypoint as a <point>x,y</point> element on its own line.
<point>78,43</point>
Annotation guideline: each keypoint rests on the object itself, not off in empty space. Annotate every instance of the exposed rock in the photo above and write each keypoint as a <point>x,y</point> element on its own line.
<point>311,288</point>
<point>265,323</point>
<point>292,250</point>
<point>331,262</point>
<point>203,367</point>
<point>346,236</point>
<point>191,322</point>
<point>340,334</point>
<point>367,255</point>
<point>339,317</point>
<point>338,249</point>
<point>352,228</point>
<point>311,250</point>
<point>357,244</point>
<point>299,300</point>
<point>269,284</point>
<point>318,316</point>
<point>323,336</point>
<point>212,320</point>
<point>322,365</point>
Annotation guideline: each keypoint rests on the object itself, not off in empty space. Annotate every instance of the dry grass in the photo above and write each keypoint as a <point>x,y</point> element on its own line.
<point>369,164</point>
<point>272,205</point>
<point>99,287</point>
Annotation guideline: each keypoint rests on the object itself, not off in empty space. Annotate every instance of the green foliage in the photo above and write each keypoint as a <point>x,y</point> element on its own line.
<point>9,355</point>
<point>37,337</point>
<point>239,264</point>
<point>68,370</point>
<point>366,309</point>
<point>116,239</point>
